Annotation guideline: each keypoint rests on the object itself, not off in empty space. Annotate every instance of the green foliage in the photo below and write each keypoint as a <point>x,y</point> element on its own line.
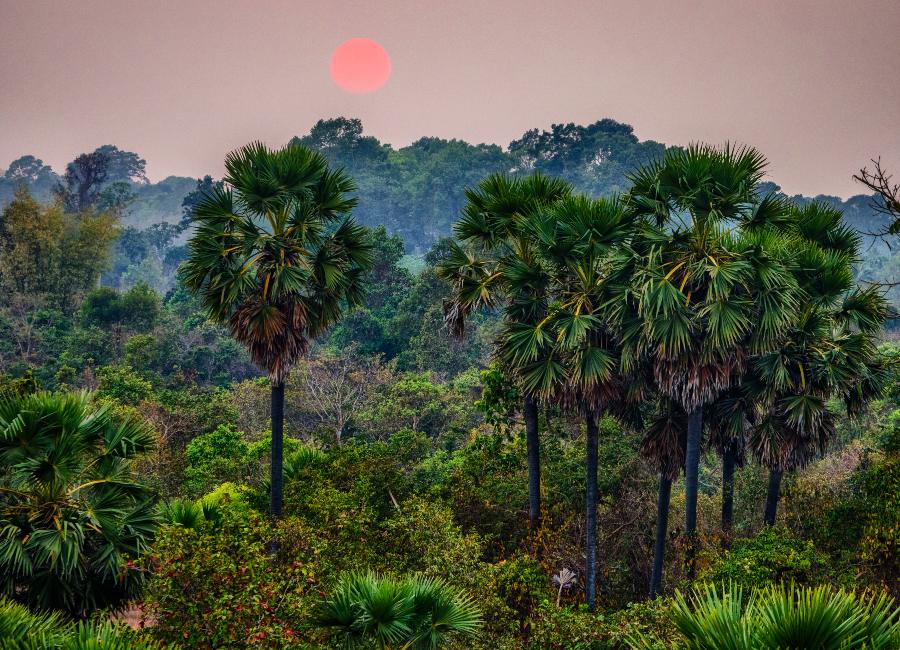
<point>73,515</point>
<point>217,456</point>
<point>783,617</point>
<point>876,510</point>
<point>135,310</point>
<point>19,386</point>
<point>413,401</point>
<point>416,612</point>
<point>422,537</point>
<point>772,556</point>
<point>568,628</point>
<point>220,587</point>
<point>500,398</point>
<point>49,258</point>
<point>142,352</point>
<point>124,385</point>
<point>21,629</point>
<point>230,497</point>
<point>520,585</point>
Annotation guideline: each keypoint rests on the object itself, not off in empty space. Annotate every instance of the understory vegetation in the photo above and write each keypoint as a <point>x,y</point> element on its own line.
<point>669,418</point>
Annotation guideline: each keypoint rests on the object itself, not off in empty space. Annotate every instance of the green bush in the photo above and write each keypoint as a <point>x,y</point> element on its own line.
<point>124,385</point>
<point>220,587</point>
<point>772,556</point>
<point>878,512</point>
<point>575,628</point>
<point>219,456</point>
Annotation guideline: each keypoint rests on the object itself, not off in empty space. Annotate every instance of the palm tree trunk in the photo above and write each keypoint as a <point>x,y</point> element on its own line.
<point>772,496</point>
<point>533,443</point>
<point>590,503</point>
<point>662,524</point>
<point>691,484</point>
<point>728,462</point>
<point>276,476</point>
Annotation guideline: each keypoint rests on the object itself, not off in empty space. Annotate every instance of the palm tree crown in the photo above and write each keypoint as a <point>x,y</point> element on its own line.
<point>274,255</point>
<point>829,350</point>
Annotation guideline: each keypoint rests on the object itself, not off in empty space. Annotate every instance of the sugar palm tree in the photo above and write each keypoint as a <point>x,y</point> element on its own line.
<point>492,246</point>
<point>277,259</point>
<point>828,352</point>
<point>73,515</point>
<point>573,357</point>
<point>709,291</point>
<point>734,410</point>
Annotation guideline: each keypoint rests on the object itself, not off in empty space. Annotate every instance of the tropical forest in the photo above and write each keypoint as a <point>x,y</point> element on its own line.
<point>614,395</point>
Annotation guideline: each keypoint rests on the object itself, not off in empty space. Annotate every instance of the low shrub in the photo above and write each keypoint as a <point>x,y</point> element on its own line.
<point>221,587</point>
<point>772,556</point>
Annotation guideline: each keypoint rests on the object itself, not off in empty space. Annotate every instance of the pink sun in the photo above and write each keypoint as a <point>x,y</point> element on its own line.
<point>360,65</point>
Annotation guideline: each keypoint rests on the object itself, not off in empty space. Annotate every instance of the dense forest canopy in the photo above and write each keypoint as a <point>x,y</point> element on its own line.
<point>414,191</point>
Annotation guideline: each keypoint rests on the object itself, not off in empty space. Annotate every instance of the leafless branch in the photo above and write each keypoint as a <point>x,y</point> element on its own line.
<point>886,200</point>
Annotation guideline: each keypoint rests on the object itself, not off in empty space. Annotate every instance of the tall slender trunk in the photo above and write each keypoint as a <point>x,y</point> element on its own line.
<point>276,467</point>
<point>728,462</point>
<point>772,496</point>
<point>590,503</point>
<point>662,524</point>
<point>533,443</point>
<point>691,484</point>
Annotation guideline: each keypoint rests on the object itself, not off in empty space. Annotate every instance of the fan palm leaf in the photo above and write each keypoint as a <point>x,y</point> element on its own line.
<point>71,510</point>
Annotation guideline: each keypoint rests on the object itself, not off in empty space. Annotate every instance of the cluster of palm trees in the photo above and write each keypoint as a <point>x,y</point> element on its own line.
<point>693,304</point>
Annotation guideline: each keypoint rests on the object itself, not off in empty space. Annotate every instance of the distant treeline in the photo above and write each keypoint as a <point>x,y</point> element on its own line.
<point>414,191</point>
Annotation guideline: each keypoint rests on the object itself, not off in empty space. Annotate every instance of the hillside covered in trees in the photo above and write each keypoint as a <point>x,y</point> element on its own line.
<point>666,417</point>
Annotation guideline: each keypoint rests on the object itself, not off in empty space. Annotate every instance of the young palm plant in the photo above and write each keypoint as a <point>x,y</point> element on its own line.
<point>493,243</point>
<point>704,300</point>
<point>276,258</point>
<point>72,513</point>
<point>417,612</point>
<point>782,616</point>
<point>22,629</point>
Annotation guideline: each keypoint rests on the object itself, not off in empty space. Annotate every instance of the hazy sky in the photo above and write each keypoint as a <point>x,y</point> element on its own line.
<point>815,84</point>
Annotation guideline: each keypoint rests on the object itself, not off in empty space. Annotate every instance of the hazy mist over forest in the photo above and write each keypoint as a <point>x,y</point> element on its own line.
<point>415,191</point>
<point>406,325</point>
